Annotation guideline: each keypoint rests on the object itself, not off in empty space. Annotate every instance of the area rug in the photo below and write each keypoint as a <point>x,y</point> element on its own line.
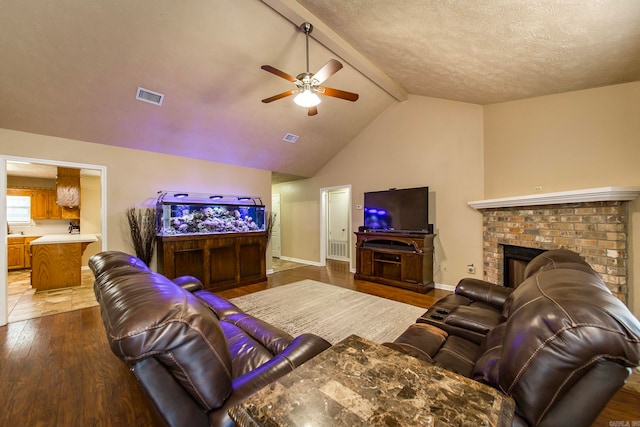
<point>330,311</point>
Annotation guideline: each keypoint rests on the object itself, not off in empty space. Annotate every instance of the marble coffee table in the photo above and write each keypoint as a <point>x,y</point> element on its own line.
<point>359,382</point>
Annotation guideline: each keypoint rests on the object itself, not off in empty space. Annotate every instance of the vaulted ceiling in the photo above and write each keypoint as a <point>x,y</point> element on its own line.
<point>71,68</point>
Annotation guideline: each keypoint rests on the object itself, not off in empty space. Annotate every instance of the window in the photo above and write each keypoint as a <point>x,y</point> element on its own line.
<point>18,209</point>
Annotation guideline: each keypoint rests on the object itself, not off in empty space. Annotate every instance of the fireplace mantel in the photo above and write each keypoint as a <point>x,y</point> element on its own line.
<point>576,196</point>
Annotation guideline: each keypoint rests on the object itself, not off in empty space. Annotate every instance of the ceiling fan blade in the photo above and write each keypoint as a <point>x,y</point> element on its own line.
<point>312,111</point>
<point>327,70</point>
<point>279,73</point>
<point>279,96</point>
<point>337,93</point>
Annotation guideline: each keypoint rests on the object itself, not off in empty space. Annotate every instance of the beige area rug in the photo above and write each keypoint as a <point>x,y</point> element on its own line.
<point>330,311</point>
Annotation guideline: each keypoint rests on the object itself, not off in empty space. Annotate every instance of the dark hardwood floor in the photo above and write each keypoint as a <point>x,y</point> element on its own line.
<point>58,370</point>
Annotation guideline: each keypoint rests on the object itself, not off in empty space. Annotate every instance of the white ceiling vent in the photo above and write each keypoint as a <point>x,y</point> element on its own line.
<point>149,96</point>
<point>289,137</point>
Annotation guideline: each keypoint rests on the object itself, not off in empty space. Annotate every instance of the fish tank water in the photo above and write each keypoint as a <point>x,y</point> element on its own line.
<point>181,213</point>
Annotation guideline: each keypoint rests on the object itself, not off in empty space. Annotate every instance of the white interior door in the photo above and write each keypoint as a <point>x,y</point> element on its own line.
<point>275,231</point>
<point>338,224</point>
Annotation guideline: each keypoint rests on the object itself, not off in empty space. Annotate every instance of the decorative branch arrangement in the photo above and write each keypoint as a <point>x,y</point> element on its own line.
<point>142,223</point>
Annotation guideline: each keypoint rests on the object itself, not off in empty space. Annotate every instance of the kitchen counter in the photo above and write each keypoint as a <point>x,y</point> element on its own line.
<point>56,260</point>
<point>65,238</point>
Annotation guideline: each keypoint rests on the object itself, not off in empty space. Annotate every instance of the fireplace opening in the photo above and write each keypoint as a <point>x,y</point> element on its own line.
<point>516,259</point>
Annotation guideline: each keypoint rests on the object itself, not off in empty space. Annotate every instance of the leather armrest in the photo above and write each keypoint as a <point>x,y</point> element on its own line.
<point>301,349</point>
<point>477,319</point>
<point>479,290</point>
<point>188,283</point>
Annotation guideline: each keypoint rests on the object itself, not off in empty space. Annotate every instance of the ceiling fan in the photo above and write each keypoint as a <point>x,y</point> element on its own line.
<point>308,84</point>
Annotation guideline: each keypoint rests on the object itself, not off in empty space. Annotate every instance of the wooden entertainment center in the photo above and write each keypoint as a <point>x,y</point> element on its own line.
<point>398,259</point>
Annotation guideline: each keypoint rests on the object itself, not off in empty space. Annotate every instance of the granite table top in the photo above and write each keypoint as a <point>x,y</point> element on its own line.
<point>359,382</point>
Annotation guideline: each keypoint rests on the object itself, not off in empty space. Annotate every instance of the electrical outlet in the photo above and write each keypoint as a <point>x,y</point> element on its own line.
<point>443,267</point>
<point>471,269</point>
<point>538,188</point>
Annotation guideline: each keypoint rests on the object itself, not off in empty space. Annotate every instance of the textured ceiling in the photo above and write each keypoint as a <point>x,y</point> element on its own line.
<point>485,52</point>
<point>70,68</point>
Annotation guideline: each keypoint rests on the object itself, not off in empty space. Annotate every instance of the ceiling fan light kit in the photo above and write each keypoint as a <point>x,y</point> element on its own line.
<point>308,84</point>
<point>307,99</point>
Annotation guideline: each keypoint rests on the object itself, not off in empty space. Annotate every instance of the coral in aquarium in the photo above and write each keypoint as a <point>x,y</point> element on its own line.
<point>212,220</point>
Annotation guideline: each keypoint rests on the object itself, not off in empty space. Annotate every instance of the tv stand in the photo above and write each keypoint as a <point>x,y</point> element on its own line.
<point>398,259</point>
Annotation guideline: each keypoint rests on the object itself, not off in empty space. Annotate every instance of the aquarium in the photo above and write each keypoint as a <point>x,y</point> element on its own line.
<point>181,214</point>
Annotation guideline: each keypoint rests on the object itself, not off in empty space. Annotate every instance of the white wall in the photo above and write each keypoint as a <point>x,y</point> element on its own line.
<point>420,142</point>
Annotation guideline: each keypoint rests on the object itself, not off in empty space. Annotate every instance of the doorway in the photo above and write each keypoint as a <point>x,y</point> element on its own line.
<point>92,220</point>
<point>336,230</point>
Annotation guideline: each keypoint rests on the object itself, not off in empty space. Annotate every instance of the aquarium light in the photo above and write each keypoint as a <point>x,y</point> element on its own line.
<point>180,195</point>
<point>244,199</point>
<point>216,197</point>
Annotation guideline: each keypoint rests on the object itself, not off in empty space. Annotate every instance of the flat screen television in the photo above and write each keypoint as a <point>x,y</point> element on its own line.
<point>399,210</point>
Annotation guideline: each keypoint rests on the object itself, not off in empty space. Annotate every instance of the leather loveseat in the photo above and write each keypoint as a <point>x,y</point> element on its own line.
<point>194,354</point>
<point>563,346</point>
<point>476,306</point>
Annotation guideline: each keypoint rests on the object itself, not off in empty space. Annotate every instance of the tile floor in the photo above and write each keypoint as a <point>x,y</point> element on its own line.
<point>279,264</point>
<point>26,303</point>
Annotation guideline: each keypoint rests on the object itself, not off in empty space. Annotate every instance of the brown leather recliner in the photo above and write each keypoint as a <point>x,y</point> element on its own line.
<point>193,363</point>
<point>564,349</point>
<point>476,305</point>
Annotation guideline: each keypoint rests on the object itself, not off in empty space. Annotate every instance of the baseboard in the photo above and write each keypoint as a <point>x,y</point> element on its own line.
<point>269,271</point>
<point>444,287</point>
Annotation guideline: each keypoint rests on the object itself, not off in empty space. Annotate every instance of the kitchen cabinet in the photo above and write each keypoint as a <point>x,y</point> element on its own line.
<point>15,253</point>
<point>57,260</point>
<point>19,252</point>
<point>43,205</point>
<point>27,250</point>
<point>68,192</point>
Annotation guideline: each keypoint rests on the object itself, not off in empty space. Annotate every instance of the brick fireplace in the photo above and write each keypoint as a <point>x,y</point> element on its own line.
<point>592,222</point>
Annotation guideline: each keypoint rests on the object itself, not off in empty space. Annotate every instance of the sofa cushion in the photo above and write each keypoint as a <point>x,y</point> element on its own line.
<point>221,307</point>
<point>474,318</point>
<point>458,355</point>
<point>420,340</point>
<point>147,315</point>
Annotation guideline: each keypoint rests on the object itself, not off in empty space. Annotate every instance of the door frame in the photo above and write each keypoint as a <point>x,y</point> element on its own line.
<point>4,297</point>
<point>276,220</point>
<point>324,209</point>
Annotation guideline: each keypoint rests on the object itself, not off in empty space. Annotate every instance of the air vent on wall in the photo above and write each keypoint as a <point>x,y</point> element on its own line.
<point>289,137</point>
<point>149,96</point>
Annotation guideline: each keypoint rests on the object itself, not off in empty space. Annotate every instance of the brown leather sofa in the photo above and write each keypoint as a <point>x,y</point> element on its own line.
<point>194,354</point>
<point>563,348</point>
